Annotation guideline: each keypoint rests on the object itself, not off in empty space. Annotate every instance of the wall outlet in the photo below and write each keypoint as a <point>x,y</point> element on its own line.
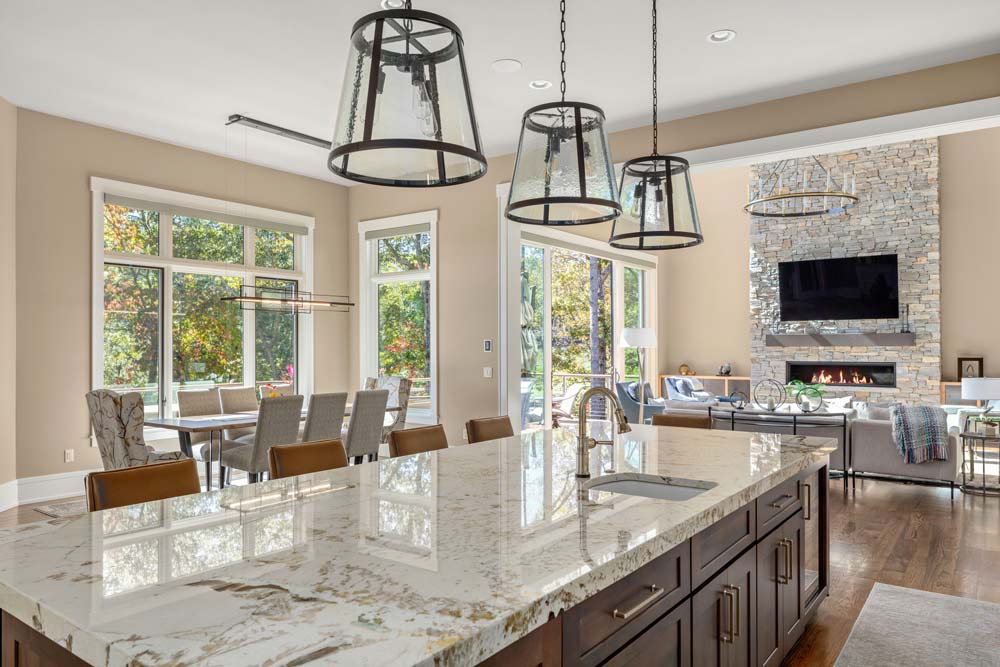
<point>487,371</point>
<point>69,455</point>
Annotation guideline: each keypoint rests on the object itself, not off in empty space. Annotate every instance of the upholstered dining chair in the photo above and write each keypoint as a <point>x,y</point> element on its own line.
<point>117,420</point>
<point>488,428</point>
<point>196,402</point>
<point>238,399</point>
<point>143,484</point>
<point>305,457</point>
<point>417,440</point>
<point>399,397</point>
<point>325,418</point>
<point>277,424</point>
<point>684,421</point>
<point>364,430</point>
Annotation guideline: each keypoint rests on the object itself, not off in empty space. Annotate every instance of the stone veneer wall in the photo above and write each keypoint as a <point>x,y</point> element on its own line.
<point>897,213</point>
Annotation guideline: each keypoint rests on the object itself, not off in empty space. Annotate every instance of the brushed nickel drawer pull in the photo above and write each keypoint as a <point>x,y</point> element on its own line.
<point>736,626</point>
<point>783,566</point>
<point>809,502</point>
<point>782,502</point>
<point>728,595</point>
<point>786,543</point>
<point>655,593</point>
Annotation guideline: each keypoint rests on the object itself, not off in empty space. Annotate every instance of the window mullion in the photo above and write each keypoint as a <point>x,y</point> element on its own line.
<point>249,338</point>
<point>167,336</point>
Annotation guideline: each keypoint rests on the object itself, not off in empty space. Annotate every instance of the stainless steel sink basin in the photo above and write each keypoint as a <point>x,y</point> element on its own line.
<point>649,486</point>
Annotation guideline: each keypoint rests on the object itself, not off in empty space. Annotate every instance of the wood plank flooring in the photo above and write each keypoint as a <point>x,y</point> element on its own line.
<point>901,534</point>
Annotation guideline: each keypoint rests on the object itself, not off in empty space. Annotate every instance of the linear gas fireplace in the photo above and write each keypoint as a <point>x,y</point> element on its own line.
<point>842,374</point>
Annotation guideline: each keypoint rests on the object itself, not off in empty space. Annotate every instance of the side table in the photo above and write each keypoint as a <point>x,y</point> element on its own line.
<point>974,450</point>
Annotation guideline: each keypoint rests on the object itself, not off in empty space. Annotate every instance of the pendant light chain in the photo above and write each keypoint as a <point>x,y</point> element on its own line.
<point>655,132</point>
<point>562,48</point>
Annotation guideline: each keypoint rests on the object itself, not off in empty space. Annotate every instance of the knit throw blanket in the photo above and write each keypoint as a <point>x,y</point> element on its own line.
<point>920,432</point>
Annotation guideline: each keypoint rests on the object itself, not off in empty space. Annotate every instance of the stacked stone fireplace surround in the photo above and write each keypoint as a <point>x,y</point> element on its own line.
<point>897,213</point>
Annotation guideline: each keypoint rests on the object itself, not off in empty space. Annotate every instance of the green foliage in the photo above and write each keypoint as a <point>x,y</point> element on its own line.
<point>132,327</point>
<point>207,240</point>
<point>532,288</point>
<point>130,230</point>
<point>404,308</point>
<point>633,315</point>
<point>208,333</point>
<point>571,313</point>
<point>274,332</point>
<point>274,250</point>
<point>795,386</point>
<point>410,252</point>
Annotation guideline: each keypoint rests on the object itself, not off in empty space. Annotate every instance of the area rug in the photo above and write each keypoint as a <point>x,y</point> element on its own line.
<point>60,510</point>
<point>909,628</point>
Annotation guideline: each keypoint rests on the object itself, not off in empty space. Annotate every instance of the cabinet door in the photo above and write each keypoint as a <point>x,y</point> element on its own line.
<point>771,569</point>
<point>814,514</point>
<point>667,643</point>
<point>711,633</point>
<point>742,577</point>
<point>792,606</point>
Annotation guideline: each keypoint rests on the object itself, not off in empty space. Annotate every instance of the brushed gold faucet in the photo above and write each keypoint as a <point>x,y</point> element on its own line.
<point>584,442</point>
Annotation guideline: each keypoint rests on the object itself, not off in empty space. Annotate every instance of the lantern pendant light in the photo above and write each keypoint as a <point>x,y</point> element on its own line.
<point>563,173</point>
<point>658,209</point>
<point>406,116</point>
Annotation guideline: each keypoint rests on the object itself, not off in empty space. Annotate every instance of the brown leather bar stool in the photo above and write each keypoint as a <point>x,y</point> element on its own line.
<point>141,484</point>
<point>685,421</point>
<point>488,428</point>
<point>417,440</point>
<point>306,457</point>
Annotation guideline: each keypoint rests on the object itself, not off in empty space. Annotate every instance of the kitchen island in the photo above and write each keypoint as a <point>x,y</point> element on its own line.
<point>493,552</point>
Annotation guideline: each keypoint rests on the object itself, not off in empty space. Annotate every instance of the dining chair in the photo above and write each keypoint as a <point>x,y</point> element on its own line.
<point>364,430</point>
<point>684,421</point>
<point>417,440</point>
<point>238,399</point>
<point>325,418</point>
<point>399,397</point>
<point>305,457</point>
<point>143,484</point>
<point>118,421</point>
<point>277,424</point>
<point>197,402</point>
<point>488,428</point>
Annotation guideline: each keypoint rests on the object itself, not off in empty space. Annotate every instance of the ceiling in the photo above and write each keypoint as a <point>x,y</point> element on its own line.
<point>175,70</point>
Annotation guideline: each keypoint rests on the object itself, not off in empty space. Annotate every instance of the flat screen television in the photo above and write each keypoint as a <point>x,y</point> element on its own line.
<point>846,288</point>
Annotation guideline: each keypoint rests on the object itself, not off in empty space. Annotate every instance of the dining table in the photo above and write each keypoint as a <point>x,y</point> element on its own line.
<point>216,424</point>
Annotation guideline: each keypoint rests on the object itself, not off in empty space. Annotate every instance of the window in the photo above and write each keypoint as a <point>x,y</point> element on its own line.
<point>398,305</point>
<point>633,280</point>
<point>165,266</point>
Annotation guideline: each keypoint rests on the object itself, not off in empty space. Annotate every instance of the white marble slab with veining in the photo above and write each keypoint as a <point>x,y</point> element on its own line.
<point>435,559</point>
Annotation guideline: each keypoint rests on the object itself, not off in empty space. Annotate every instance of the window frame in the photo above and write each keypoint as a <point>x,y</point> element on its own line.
<point>369,280</point>
<point>168,264</point>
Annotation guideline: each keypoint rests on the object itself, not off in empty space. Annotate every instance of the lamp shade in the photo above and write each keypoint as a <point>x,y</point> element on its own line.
<point>658,209</point>
<point>563,173</point>
<point>406,115</point>
<point>638,337</point>
<point>980,389</point>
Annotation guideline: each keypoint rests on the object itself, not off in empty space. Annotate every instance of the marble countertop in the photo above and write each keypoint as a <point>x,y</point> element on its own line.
<point>436,559</point>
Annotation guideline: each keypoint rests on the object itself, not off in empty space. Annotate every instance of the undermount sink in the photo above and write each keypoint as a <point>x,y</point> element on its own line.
<point>649,486</point>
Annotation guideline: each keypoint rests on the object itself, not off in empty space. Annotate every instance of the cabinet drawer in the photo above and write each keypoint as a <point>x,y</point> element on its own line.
<point>718,544</point>
<point>778,504</point>
<point>592,630</point>
<point>667,643</point>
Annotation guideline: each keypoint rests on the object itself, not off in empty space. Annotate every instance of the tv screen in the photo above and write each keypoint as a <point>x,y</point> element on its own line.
<point>847,288</point>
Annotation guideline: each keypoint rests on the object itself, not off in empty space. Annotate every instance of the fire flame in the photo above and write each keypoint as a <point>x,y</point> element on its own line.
<point>824,377</point>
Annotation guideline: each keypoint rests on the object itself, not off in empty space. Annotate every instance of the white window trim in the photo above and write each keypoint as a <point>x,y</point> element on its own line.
<point>510,326</point>
<point>303,259</point>
<point>368,281</point>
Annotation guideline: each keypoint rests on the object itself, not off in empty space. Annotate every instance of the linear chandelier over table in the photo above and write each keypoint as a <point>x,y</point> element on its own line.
<point>296,302</point>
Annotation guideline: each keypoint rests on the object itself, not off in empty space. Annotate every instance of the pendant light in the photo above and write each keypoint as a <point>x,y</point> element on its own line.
<point>658,209</point>
<point>406,116</point>
<point>563,173</point>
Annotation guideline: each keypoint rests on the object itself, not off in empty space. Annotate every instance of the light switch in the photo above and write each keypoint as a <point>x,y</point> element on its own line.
<point>487,345</point>
<point>69,455</point>
<point>487,371</point>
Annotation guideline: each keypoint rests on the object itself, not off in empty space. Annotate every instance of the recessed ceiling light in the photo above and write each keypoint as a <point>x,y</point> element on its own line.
<point>392,4</point>
<point>506,65</point>
<point>721,36</point>
<point>540,84</point>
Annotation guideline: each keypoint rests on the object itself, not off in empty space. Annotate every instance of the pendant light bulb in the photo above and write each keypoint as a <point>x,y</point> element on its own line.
<point>636,209</point>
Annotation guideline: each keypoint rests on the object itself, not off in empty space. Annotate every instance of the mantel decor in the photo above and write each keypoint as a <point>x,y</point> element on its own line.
<point>772,197</point>
<point>253,297</point>
<point>769,394</point>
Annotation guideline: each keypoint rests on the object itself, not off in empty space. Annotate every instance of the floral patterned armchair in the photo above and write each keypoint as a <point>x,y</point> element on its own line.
<point>117,420</point>
<point>399,396</point>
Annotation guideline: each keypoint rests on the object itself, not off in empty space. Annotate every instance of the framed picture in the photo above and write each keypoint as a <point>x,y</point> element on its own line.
<point>970,367</point>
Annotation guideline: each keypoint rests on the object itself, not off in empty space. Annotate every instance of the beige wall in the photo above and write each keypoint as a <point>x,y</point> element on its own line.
<point>8,349</point>
<point>970,240</point>
<point>55,160</point>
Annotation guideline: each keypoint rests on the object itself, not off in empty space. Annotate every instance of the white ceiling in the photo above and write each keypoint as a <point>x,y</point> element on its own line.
<point>175,70</point>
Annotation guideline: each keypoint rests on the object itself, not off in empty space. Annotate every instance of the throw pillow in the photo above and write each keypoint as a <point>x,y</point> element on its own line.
<point>839,403</point>
<point>632,389</point>
<point>696,384</point>
<point>684,387</point>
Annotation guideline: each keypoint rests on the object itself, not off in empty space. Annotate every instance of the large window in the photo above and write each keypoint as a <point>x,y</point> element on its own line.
<point>397,305</point>
<point>160,317</point>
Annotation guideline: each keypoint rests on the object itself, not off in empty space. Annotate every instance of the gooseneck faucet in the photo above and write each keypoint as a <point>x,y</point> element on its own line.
<point>584,442</point>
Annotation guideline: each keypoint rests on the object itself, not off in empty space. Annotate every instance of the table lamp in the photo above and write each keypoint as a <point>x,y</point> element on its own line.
<point>640,338</point>
<point>981,389</point>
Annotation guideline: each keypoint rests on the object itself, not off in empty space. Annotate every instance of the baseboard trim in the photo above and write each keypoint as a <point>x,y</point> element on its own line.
<point>8,495</point>
<point>51,487</point>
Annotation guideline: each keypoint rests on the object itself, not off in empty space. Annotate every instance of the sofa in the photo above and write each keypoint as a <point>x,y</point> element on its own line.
<point>628,396</point>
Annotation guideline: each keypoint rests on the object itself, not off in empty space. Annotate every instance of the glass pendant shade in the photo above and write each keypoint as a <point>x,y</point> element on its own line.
<point>563,173</point>
<point>406,116</point>
<point>658,209</point>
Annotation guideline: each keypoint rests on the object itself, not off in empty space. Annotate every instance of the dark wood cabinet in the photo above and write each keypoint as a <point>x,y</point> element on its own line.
<point>23,646</point>
<point>723,617</point>
<point>667,643</point>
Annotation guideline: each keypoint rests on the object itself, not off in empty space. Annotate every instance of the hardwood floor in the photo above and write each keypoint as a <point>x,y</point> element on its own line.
<point>905,535</point>
<point>901,534</point>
